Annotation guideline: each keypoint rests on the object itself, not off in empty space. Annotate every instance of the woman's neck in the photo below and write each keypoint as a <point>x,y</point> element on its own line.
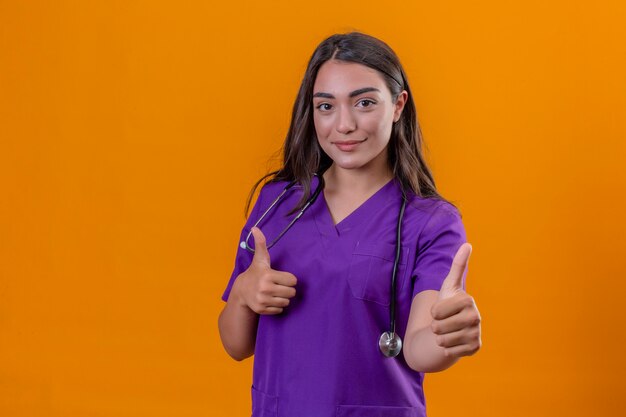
<point>347,189</point>
<point>355,181</point>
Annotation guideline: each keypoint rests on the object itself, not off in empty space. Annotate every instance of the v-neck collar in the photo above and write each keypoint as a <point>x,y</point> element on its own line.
<point>375,202</point>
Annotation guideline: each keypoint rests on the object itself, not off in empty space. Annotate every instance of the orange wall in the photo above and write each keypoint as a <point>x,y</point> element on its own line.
<point>131,131</point>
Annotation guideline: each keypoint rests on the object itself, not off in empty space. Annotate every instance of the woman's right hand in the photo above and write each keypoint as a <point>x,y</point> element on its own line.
<point>261,288</point>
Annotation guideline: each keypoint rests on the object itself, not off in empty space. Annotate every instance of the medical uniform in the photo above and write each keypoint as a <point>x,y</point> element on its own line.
<point>320,357</point>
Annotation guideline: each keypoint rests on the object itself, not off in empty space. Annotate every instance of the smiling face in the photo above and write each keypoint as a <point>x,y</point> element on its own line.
<point>353,115</point>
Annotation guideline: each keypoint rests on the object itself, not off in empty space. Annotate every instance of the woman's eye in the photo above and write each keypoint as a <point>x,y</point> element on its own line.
<point>366,103</point>
<point>324,106</point>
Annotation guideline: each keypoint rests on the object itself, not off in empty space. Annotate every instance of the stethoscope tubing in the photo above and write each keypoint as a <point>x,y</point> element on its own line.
<point>311,200</point>
<point>396,262</point>
<point>390,342</point>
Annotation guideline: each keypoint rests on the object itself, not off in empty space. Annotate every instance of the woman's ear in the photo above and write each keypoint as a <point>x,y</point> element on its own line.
<point>399,105</point>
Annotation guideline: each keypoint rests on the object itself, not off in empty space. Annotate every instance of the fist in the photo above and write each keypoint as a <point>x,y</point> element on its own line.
<point>261,288</point>
<point>456,320</point>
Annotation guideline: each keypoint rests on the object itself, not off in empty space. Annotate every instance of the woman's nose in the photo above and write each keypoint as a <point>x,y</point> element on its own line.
<point>346,122</point>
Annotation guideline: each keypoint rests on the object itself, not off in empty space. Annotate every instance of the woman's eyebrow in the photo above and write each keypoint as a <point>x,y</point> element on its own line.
<point>352,94</point>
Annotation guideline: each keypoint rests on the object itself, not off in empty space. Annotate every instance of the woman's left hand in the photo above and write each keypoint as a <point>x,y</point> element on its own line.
<point>456,320</point>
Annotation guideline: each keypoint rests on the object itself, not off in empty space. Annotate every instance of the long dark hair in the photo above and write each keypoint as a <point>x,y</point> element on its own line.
<point>302,154</point>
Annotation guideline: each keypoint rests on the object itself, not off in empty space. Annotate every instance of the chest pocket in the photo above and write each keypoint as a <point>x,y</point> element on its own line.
<point>369,275</point>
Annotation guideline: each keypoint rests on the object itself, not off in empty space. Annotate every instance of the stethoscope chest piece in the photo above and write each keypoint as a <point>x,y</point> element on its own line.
<point>390,344</point>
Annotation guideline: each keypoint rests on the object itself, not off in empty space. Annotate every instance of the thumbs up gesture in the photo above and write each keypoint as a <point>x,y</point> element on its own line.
<point>456,320</point>
<point>261,288</point>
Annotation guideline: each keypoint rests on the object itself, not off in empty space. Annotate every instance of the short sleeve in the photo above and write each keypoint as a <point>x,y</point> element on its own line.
<point>243,258</point>
<point>440,239</point>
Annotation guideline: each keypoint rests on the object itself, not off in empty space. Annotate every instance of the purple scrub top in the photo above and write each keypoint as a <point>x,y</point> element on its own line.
<point>320,357</point>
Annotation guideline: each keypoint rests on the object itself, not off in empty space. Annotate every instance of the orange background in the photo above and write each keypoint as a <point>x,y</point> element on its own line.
<point>131,132</point>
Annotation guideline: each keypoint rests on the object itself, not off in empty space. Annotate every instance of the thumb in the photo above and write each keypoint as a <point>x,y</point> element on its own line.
<point>261,254</point>
<point>454,281</point>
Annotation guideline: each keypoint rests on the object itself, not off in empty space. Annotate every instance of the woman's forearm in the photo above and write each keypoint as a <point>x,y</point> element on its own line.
<point>237,324</point>
<point>423,354</point>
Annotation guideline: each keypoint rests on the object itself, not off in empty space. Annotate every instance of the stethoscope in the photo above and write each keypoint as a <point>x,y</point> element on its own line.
<point>390,343</point>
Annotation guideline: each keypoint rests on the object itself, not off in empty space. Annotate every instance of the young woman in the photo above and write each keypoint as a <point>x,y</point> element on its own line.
<point>346,307</point>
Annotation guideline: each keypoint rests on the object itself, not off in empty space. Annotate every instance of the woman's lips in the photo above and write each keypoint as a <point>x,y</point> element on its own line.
<point>348,145</point>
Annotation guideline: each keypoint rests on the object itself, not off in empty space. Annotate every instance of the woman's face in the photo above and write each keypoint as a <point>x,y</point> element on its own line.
<point>353,113</point>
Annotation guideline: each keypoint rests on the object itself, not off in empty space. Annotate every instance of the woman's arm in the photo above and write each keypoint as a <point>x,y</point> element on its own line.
<point>421,351</point>
<point>237,324</point>
<point>443,325</point>
<point>258,290</point>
